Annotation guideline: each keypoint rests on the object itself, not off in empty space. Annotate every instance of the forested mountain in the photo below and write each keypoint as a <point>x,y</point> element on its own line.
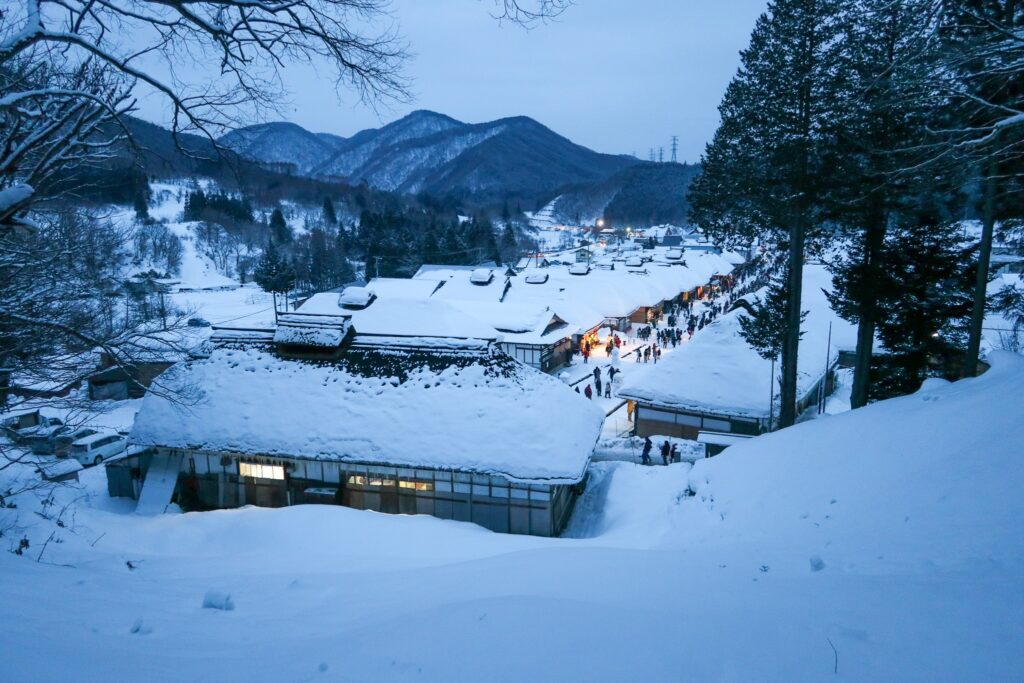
<point>429,152</point>
<point>284,143</point>
<point>645,193</point>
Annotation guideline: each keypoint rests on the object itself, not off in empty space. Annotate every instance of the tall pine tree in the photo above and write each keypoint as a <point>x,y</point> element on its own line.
<point>764,170</point>
<point>883,121</point>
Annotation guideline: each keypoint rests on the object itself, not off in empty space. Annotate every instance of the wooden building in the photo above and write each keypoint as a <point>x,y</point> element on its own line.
<point>317,411</point>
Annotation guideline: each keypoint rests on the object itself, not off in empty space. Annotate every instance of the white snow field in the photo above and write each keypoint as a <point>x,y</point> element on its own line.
<point>882,544</point>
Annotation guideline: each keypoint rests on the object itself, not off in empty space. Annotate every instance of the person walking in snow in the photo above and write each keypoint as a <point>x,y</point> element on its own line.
<point>608,389</point>
<point>588,392</point>
<point>674,454</point>
<point>597,374</point>
<point>585,351</point>
<point>645,455</point>
<point>665,450</point>
<point>597,386</point>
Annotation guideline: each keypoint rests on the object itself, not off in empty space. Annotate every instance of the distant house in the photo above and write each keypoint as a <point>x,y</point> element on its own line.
<point>584,255</point>
<point>117,379</point>
<point>440,425</point>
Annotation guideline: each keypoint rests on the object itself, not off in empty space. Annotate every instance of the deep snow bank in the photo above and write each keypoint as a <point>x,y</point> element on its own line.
<point>882,544</point>
<point>931,478</point>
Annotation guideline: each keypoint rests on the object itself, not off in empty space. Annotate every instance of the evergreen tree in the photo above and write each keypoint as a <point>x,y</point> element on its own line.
<point>273,274</point>
<point>141,206</point>
<point>765,330</point>
<point>764,170</point>
<point>319,260</point>
<point>927,305</point>
<point>430,249</point>
<point>982,64</point>
<point>330,217</point>
<point>344,272</point>
<point>453,249</point>
<point>279,227</point>
<point>880,56</point>
<point>509,247</point>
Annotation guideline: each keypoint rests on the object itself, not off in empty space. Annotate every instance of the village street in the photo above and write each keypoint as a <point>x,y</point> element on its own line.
<point>630,354</point>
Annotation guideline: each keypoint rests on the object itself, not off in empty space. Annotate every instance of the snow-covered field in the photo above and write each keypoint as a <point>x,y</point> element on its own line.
<point>881,544</point>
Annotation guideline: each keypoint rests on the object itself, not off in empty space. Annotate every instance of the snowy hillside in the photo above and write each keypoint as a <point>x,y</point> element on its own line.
<point>877,545</point>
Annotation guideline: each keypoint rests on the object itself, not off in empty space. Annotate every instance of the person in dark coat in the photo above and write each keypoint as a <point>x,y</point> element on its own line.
<point>597,374</point>
<point>665,450</point>
<point>597,386</point>
<point>588,392</point>
<point>645,456</point>
<point>674,454</point>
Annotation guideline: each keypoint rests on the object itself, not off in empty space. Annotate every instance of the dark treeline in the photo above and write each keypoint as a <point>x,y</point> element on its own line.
<point>848,135</point>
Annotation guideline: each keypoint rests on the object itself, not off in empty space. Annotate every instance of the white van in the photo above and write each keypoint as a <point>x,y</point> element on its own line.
<point>93,449</point>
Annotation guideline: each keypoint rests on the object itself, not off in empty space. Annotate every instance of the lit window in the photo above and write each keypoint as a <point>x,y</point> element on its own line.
<point>258,471</point>
<point>357,480</point>
<point>376,481</point>
<point>416,485</point>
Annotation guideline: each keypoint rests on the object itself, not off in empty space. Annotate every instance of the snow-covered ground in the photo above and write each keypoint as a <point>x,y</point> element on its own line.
<point>881,544</point>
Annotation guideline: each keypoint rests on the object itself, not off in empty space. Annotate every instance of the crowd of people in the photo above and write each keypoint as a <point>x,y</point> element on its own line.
<point>678,322</point>
<point>596,386</point>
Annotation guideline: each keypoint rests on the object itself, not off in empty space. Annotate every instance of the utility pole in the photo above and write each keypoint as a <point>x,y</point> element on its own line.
<point>652,154</point>
<point>661,155</point>
<point>675,147</point>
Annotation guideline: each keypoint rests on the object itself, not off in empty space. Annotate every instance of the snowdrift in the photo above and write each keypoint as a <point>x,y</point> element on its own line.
<point>878,545</point>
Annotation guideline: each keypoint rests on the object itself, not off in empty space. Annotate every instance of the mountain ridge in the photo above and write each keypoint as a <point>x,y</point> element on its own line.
<point>426,151</point>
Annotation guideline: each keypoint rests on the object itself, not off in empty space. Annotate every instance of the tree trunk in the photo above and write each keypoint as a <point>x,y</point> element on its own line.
<point>867,311</point>
<point>791,342</point>
<point>988,221</point>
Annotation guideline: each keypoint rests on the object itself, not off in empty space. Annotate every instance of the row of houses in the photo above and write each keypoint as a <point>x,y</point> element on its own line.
<point>718,389</point>
<point>423,395</point>
<point>544,312</point>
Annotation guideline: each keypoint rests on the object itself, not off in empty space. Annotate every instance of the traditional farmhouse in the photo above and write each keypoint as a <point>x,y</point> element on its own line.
<point>420,414</point>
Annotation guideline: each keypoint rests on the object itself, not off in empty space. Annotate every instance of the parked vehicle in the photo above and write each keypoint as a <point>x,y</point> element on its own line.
<point>63,439</point>
<point>94,449</point>
<point>32,436</point>
<point>198,322</point>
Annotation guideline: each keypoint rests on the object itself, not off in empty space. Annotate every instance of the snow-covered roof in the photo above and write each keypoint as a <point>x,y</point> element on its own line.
<point>489,415</point>
<point>583,302</point>
<point>403,287</point>
<point>419,318</point>
<point>718,373</point>
<point>356,297</point>
<point>305,329</point>
<point>399,317</point>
